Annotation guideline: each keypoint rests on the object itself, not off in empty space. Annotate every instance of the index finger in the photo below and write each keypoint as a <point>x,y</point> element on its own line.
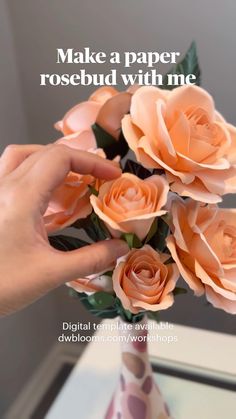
<point>55,163</point>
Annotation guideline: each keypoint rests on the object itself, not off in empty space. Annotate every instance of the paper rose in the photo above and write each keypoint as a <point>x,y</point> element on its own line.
<point>203,245</point>
<point>76,144</point>
<point>129,204</point>
<point>69,202</point>
<point>84,114</point>
<point>83,140</point>
<point>106,106</point>
<point>142,281</point>
<point>79,142</point>
<point>181,133</point>
<point>93,283</point>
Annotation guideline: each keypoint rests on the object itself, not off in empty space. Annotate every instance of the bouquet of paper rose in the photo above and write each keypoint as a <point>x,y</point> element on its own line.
<point>164,204</point>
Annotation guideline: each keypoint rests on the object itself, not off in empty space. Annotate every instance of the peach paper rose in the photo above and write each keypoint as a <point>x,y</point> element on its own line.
<point>92,284</point>
<point>82,143</point>
<point>142,281</point>
<point>203,245</point>
<point>71,200</point>
<point>181,133</point>
<point>106,106</point>
<point>130,205</point>
<point>84,114</point>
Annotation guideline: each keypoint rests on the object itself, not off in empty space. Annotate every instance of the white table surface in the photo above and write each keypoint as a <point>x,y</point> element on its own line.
<point>88,390</point>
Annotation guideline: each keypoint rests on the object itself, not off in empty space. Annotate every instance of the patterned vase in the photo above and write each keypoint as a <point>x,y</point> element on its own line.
<point>137,395</point>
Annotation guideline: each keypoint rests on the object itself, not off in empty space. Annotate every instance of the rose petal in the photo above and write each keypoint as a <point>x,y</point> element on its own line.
<point>192,280</point>
<point>143,106</point>
<point>218,301</point>
<point>195,190</point>
<point>102,94</point>
<point>82,140</point>
<point>112,113</point>
<point>186,97</point>
<point>142,282</point>
<point>80,117</point>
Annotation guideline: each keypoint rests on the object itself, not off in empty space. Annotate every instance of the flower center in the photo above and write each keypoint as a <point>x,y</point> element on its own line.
<point>128,198</point>
<point>225,246</point>
<point>144,273</point>
<point>229,242</point>
<point>130,194</point>
<point>200,127</point>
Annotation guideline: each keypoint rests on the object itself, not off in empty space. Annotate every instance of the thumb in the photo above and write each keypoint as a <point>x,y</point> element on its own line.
<point>97,257</point>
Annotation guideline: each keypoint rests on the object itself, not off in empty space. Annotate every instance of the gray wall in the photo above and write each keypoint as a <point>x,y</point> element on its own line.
<point>42,26</point>
<point>30,33</point>
<point>12,116</point>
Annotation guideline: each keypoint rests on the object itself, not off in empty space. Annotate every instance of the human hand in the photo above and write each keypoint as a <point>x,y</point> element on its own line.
<point>29,266</point>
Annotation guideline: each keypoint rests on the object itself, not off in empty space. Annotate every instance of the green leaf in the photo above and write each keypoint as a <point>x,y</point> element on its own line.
<point>137,317</point>
<point>167,218</point>
<point>126,315</point>
<point>189,65</point>
<point>108,273</point>
<point>168,261</point>
<point>132,240</point>
<point>79,224</point>
<point>158,172</point>
<point>94,227</point>
<point>101,300</point>
<point>136,169</point>
<point>73,293</point>
<point>119,148</point>
<point>93,233</point>
<point>152,230</point>
<point>158,241</point>
<point>106,306</point>
<point>103,139</point>
<point>93,190</point>
<point>106,313</point>
<point>100,226</point>
<point>66,243</point>
<point>110,145</point>
<point>179,290</point>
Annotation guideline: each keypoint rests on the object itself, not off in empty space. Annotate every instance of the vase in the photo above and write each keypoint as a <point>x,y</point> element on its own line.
<point>137,395</point>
